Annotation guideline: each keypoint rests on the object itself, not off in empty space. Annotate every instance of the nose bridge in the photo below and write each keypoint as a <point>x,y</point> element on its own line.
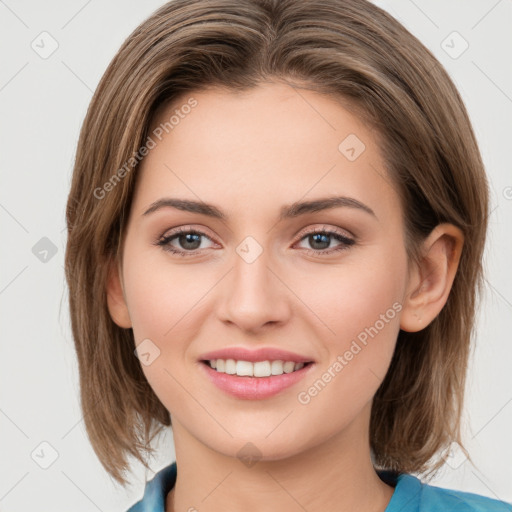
<point>255,296</point>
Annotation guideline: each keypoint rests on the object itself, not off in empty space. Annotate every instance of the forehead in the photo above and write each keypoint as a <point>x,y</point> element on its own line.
<point>272,143</point>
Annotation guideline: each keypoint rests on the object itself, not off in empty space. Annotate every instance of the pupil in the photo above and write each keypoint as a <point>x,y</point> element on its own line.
<point>313,240</point>
<point>186,240</point>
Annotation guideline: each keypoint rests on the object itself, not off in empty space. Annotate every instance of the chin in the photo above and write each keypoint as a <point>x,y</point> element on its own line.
<point>251,449</point>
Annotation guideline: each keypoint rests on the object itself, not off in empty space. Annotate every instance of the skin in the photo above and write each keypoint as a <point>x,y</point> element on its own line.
<point>249,154</point>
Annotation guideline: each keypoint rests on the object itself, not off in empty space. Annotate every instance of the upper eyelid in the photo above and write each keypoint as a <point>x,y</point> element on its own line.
<point>185,229</point>
<point>326,229</point>
<point>301,234</point>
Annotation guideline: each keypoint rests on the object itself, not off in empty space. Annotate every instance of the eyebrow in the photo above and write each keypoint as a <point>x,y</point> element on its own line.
<point>287,212</point>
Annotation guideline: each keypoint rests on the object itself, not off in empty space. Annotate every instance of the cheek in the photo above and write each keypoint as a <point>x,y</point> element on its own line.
<point>160,295</point>
<point>357,356</point>
<point>161,298</point>
<point>165,301</point>
<point>362,307</point>
<point>355,295</point>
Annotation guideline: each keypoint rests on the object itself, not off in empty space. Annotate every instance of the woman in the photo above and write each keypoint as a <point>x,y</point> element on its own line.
<point>275,232</point>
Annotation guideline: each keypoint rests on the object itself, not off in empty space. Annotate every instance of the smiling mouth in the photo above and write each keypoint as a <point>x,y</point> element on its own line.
<point>268,368</point>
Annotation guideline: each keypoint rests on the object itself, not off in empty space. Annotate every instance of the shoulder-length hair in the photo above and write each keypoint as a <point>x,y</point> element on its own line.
<point>349,49</point>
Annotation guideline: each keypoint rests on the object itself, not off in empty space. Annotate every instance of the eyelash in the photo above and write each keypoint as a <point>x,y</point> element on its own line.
<point>346,242</point>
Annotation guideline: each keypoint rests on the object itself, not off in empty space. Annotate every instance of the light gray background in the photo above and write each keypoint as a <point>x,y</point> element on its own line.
<point>43,102</point>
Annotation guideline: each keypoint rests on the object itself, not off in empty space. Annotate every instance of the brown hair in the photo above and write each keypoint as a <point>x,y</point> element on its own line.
<point>353,51</point>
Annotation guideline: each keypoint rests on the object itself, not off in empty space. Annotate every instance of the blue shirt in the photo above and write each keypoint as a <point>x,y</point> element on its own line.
<point>410,495</point>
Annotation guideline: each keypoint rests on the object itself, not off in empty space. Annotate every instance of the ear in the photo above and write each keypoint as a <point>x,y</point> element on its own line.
<point>116,299</point>
<point>430,282</point>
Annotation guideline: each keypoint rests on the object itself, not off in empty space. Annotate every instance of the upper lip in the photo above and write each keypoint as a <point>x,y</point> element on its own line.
<point>260,354</point>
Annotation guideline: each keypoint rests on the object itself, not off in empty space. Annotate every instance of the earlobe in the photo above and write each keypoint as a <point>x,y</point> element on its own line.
<point>430,282</point>
<point>116,299</point>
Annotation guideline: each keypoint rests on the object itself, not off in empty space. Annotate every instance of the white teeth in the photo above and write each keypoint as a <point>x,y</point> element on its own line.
<point>288,367</point>
<point>257,369</point>
<point>277,367</point>
<point>262,369</point>
<point>230,366</point>
<point>244,368</point>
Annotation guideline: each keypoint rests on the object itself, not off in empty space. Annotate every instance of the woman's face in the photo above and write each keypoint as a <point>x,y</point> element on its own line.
<point>258,277</point>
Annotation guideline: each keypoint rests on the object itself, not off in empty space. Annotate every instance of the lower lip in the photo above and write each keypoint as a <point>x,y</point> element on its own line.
<point>254,388</point>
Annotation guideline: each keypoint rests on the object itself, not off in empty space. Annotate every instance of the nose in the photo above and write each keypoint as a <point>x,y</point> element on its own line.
<point>254,297</point>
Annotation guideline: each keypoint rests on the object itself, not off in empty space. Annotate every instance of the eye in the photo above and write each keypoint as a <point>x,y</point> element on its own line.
<point>320,239</point>
<point>187,242</point>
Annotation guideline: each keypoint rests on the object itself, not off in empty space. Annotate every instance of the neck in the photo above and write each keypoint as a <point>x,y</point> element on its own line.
<point>336,474</point>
